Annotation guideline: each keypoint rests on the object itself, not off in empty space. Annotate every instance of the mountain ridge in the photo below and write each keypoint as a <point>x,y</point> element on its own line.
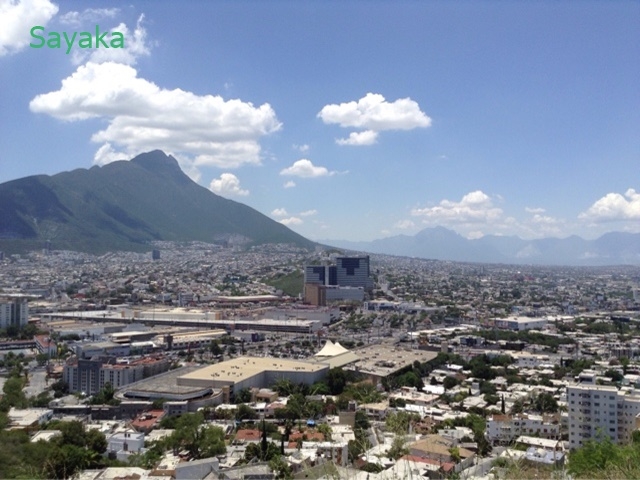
<point>440,243</point>
<point>125,205</point>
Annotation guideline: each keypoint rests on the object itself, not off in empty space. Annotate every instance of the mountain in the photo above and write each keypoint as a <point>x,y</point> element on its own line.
<point>439,243</point>
<point>125,205</point>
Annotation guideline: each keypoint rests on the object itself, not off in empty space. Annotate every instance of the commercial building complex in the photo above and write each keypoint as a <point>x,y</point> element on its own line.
<point>247,372</point>
<point>347,280</point>
<point>91,375</point>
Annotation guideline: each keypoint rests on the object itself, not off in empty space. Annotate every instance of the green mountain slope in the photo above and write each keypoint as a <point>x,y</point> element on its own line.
<point>123,206</point>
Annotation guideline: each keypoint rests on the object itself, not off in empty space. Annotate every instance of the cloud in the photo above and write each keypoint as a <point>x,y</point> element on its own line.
<point>290,184</point>
<point>368,137</point>
<point>142,116</point>
<point>308,213</point>
<point>16,20</point>
<point>136,45</point>
<point>301,148</point>
<point>475,207</point>
<point>475,235</point>
<point>227,185</point>
<point>279,212</point>
<point>534,210</point>
<point>291,221</point>
<point>614,207</point>
<point>305,169</point>
<point>374,114</point>
<point>404,224</point>
<point>89,15</point>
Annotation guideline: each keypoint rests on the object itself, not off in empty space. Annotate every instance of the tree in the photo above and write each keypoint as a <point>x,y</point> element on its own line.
<point>215,348</point>
<point>243,396</point>
<point>13,394</point>
<point>336,380</point>
<point>105,396</point>
<point>399,422</point>
<point>449,382</point>
<point>545,403</point>
<point>325,429</point>
<point>398,448</point>
<point>280,467</point>
<point>96,441</point>
<point>198,439</point>
<point>601,458</point>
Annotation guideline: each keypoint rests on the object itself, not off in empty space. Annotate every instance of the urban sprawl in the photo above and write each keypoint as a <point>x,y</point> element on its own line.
<point>200,361</point>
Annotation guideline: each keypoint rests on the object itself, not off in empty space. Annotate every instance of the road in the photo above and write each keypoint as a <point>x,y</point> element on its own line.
<point>37,383</point>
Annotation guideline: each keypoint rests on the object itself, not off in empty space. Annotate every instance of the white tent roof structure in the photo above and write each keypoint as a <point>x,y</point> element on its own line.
<point>331,349</point>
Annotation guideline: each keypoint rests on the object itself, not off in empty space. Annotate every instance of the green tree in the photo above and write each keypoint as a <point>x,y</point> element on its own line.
<point>398,448</point>
<point>545,403</point>
<point>245,412</point>
<point>449,382</point>
<point>198,439</point>
<point>336,380</point>
<point>399,422</point>
<point>13,394</point>
<point>280,467</point>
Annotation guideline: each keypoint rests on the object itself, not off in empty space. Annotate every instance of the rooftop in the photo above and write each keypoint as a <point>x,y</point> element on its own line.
<point>241,368</point>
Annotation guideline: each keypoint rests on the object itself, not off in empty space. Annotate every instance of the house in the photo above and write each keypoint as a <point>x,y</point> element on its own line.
<point>124,444</point>
<point>436,447</point>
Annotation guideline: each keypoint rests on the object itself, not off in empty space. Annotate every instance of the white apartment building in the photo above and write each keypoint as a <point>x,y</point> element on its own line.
<point>604,408</point>
<point>531,360</point>
<point>504,429</point>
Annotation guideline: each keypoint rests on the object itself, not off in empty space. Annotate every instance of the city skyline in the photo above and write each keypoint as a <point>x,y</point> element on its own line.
<point>350,120</point>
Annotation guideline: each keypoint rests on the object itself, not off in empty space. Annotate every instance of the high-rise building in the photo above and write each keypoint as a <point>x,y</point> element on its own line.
<point>600,409</point>
<point>155,254</point>
<point>353,272</point>
<point>315,274</point>
<point>14,312</point>
<point>348,272</point>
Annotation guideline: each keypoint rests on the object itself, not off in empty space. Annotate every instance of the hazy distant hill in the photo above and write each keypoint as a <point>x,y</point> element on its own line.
<point>442,244</point>
<point>123,206</point>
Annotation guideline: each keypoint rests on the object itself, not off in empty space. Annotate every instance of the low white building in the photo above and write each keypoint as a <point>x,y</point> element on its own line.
<point>124,444</point>
<point>504,429</point>
<point>520,324</point>
<point>28,419</point>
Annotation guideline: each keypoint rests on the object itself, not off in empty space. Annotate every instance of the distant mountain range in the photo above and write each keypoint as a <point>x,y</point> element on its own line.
<point>125,205</point>
<point>440,243</point>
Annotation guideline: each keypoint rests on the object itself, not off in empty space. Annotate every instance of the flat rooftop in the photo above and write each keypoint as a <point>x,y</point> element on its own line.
<point>241,368</point>
<point>164,385</point>
<point>385,359</point>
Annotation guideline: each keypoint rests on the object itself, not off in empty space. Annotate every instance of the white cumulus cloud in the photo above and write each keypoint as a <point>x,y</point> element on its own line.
<point>614,207</point>
<point>142,116</point>
<point>227,185</point>
<point>474,207</point>
<point>90,15</point>
<point>279,212</point>
<point>305,169</point>
<point>308,213</point>
<point>289,184</point>
<point>135,45</point>
<point>16,20</point>
<point>291,221</point>
<point>368,137</point>
<point>373,113</point>
<point>534,210</point>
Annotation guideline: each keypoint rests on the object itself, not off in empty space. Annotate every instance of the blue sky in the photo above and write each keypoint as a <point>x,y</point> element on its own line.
<point>347,120</point>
